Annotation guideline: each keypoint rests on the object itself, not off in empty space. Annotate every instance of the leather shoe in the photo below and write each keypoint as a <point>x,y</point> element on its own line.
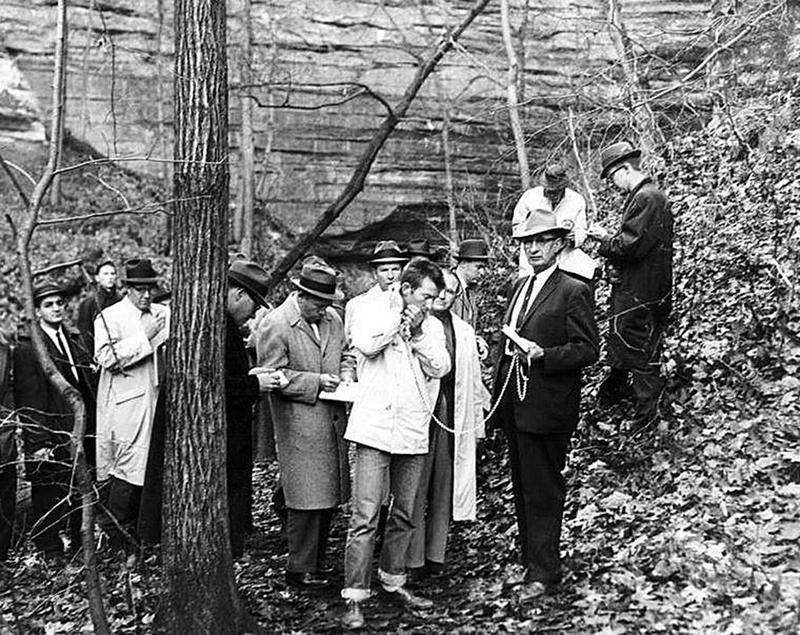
<point>324,571</point>
<point>306,580</point>
<point>403,596</point>
<point>532,590</point>
<point>353,618</point>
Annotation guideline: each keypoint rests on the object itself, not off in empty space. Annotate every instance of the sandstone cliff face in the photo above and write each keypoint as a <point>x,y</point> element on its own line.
<point>314,54</point>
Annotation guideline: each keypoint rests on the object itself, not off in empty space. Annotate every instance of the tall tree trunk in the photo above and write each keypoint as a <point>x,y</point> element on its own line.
<point>55,186</point>
<point>512,97</point>
<point>248,151</point>
<point>201,595</point>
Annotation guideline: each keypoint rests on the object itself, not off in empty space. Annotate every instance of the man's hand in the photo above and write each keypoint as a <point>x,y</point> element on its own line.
<point>412,317</point>
<point>328,382</point>
<point>154,325</point>
<point>42,454</point>
<point>530,349</point>
<point>269,379</point>
<point>483,348</point>
<point>598,232</point>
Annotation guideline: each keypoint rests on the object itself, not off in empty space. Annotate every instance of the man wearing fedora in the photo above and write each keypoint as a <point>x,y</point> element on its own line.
<point>639,255</point>
<point>247,289</point>
<point>555,195</point>
<point>46,419</point>
<point>403,356</point>
<point>128,336</point>
<point>472,259</point>
<point>304,338</point>
<point>552,313</point>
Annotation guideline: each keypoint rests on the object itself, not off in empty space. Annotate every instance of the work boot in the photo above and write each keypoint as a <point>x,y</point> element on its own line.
<point>352,618</point>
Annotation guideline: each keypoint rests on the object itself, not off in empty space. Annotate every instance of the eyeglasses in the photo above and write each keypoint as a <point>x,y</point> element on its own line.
<point>47,304</point>
<point>142,288</point>
<point>542,240</point>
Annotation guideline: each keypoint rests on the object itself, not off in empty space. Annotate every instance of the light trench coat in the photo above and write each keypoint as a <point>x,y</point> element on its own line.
<point>398,380</point>
<point>471,399</point>
<point>126,396</point>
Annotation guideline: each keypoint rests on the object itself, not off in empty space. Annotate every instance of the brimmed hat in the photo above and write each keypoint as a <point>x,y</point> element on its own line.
<point>251,277</point>
<point>419,248</point>
<point>615,154</point>
<point>317,280</point>
<point>45,288</point>
<point>555,176</point>
<point>538,222</point>
<point>140,271</point>
<point>387,251</point>
<point>473,249</point>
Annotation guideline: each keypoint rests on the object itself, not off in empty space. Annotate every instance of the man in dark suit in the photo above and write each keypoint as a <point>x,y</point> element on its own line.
<point>551,313</point>
<point>47,421</point>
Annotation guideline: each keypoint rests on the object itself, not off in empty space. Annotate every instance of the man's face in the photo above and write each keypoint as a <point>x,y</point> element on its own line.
<point>444,301</point>
<point>619,177</point>
<point>312,307</point>
<point>51,310</point>
<point>107,277</point>
<point>472,270</point>
<point>141,295</point>
<point>554,195</point>
<point>422,297</point>
<point>241,306</point>
<point>387,274</point>
<point>542,249</point>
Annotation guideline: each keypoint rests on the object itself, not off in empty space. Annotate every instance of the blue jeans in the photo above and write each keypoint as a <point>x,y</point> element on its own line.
<point>372,467</point>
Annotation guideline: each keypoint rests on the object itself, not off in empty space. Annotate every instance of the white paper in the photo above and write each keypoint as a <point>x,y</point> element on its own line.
<point>345,391</point>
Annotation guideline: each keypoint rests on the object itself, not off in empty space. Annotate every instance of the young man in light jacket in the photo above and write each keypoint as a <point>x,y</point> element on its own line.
<point>404,355</point>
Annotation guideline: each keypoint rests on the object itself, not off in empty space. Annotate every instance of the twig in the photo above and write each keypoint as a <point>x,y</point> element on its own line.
<point>112,188</point>
<point>14,182</point>
<point>147,209</point>
<point>577,154</point>
<point>56,267</point>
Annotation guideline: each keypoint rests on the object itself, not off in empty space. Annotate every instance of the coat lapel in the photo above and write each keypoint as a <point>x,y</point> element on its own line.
<point>296,320</point>
<point>324,331</point>
<point>510,308</point>
<point>546,290</point>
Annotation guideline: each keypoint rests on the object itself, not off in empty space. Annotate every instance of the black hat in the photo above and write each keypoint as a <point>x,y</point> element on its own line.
<point>45,288</point>
<point>251,277</point>
<point>387,251</point>
<point>318,280</point>
<point>473,249</point>
<point>615,154</point>
<point>140,271</point>
<point>555,177</point>
<point>419,248</point>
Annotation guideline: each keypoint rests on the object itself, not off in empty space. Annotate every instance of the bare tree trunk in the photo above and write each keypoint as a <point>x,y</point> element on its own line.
<point>643,118</point>
<point>55,186</point>
<point>448,172</point>
<point>245,237</point>
<point>23,232</point>
<point>356,183</point>
<point>513,98</point>
<point>160,128</point>
<point>584,177</point>
<point>201,595</point>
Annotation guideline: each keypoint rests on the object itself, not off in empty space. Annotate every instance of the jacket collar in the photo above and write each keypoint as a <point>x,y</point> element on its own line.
<point>296,320</point>
<point>634,191</point>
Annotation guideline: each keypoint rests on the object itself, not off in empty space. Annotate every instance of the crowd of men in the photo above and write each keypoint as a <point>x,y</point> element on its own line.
<point>379,405</point>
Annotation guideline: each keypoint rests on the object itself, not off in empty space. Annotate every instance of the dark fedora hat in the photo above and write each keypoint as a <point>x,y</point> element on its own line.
<point>140,271</point>
<point>419,248</point>
<point>318,280</point>
<point>251,277</point>
<point>473,249</point>
<point>555,176</point>
<point>387,251</point>
<point>615,154</point>
<point>45,288</point>
<point>538,222</point>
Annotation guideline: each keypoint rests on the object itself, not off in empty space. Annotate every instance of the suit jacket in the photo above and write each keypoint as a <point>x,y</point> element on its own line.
<point>561,321</point>
<point>241,393</point>
<point>308,431</point>
<point>45,415</point>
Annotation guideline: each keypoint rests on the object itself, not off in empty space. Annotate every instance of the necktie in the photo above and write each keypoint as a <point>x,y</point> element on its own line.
<point>62,344</point>
<point>524,307</point>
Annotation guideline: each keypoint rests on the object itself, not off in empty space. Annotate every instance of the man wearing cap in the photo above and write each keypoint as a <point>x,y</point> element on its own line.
<point>303,338</point>
<point>247,289</point>
<point>552,314</point>
<point>104,294</point>
<point>128,337</point>
<point>472,259</point>
<point>639,255</point>
<point>404,355</point>
<point>47,421</point>
<point>554,195</point>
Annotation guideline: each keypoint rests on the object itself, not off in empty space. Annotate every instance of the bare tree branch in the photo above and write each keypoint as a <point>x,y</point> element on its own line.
<point>14,182</point>
<point>363,89</point>
<point>56,267</point>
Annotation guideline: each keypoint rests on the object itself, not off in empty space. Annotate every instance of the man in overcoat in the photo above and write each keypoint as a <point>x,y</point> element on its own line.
<point>47,421</point>
<point>473,259</point>
<point>639,254</point>
<point>304,338</point>
<point>551,313</point>
<point>128,337</point>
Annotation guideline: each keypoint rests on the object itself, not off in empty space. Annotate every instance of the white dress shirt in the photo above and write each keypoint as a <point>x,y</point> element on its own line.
<point>53,335</point>
<point>538,282</point>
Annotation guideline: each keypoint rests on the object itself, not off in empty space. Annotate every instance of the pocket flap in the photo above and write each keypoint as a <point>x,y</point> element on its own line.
<point>122,397</point>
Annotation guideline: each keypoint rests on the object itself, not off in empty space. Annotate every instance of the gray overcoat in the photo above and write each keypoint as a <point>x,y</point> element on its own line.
<point>308,431</point>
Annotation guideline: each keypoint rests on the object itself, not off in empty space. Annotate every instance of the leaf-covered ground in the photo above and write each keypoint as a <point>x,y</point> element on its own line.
<point>690,527</point>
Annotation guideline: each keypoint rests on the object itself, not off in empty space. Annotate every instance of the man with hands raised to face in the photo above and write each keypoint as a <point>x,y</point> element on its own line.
<point>304,339</point>
<point>556,337</point>
<point>404,354</point>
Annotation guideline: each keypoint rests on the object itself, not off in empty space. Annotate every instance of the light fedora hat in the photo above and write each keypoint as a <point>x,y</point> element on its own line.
<point>538,222</point>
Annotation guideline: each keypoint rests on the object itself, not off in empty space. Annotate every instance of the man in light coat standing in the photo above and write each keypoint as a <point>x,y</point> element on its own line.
<point>473,259</point>
<point>404,355</point>
<point>448,484</point>
<point>128,336</point>
<point>304,338</point>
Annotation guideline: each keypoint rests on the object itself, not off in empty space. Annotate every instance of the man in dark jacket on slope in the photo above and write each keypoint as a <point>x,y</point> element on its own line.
<point>640,256</point>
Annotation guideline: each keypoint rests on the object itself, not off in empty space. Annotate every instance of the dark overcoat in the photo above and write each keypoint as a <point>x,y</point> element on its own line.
<point>640,255</point>
<point>561,321</point>
<point>308,431</point>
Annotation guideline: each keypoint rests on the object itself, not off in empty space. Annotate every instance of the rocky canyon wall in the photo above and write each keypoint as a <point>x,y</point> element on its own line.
<point>310,57</point>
